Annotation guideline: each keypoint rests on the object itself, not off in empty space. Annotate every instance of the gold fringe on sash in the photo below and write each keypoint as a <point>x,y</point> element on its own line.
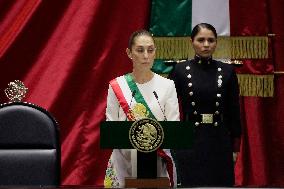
<point>256,85</point>
<point>253,47</point>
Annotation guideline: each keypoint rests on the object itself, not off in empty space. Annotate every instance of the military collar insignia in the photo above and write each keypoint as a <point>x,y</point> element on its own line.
<point>201,60</point>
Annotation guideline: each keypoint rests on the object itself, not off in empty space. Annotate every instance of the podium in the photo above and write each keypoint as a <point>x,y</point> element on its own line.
<point>177,135</point>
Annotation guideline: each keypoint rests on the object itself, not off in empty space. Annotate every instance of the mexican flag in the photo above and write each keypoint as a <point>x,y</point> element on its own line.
<point>241,41</point>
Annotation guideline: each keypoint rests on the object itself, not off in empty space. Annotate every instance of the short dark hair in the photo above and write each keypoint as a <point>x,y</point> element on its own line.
<point>198,27</point>
<point>137,34</point>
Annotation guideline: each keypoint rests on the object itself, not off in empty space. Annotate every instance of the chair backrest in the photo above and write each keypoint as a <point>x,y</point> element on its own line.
<point>29,146</point>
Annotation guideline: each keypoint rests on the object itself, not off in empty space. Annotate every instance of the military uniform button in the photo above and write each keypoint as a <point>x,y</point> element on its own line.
<point>189,76</point>
<point>189,84</point>
<point>219,82</point>
<point>187,68</point>
<point>219,69</point>
<point>217,104</point>
<point>196,123</point>
<point>216,124</point>
<point>193,103</point>
<point>218,95</point>
<point>195,112</point>
<point>190,93</point>
<point>217,112</point>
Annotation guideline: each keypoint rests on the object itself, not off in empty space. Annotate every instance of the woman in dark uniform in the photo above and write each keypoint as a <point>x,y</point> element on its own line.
<point>209,95</point>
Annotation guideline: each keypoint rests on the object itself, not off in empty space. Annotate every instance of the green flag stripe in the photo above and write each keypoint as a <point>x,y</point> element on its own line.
<point>171,18</point>
<point>161,67</point>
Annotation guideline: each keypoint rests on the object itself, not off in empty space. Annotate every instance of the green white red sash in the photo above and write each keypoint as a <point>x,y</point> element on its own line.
<point>139,99</point>
<point>138,96</point>
<point>120,97</point>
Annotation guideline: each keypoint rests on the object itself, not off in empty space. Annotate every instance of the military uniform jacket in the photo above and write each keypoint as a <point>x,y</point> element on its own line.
<point>208,87</point>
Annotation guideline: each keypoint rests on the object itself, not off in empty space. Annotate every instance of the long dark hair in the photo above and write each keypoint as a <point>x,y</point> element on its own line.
<point>198,27</point>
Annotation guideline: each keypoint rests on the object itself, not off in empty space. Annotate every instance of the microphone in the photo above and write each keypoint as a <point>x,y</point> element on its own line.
<point>163,111</point>
<point>132,96</point>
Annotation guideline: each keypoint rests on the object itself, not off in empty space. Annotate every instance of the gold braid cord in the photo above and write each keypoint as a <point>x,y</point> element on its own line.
<point>228,47</point>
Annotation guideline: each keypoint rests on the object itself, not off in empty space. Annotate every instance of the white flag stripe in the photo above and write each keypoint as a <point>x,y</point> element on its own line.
<point>215,12</point>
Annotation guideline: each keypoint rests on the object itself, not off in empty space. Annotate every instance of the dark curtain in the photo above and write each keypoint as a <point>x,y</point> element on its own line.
<point>66,51</point>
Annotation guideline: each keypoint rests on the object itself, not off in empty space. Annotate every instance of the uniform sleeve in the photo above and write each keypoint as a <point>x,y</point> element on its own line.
<point>112,109</point>
<point>173,76</point>
<point>172,107</point>
<point>233,108</point>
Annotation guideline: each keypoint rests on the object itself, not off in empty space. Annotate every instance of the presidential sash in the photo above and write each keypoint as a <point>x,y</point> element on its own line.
<point>139,111</point>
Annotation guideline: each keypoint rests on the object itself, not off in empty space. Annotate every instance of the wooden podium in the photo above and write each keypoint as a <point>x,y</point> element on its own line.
<point>177,135</point>
<point>162,182</point>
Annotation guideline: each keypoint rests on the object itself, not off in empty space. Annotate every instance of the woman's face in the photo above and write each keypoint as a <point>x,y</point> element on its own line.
<point>142,52</point>
<point>204,43</point>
